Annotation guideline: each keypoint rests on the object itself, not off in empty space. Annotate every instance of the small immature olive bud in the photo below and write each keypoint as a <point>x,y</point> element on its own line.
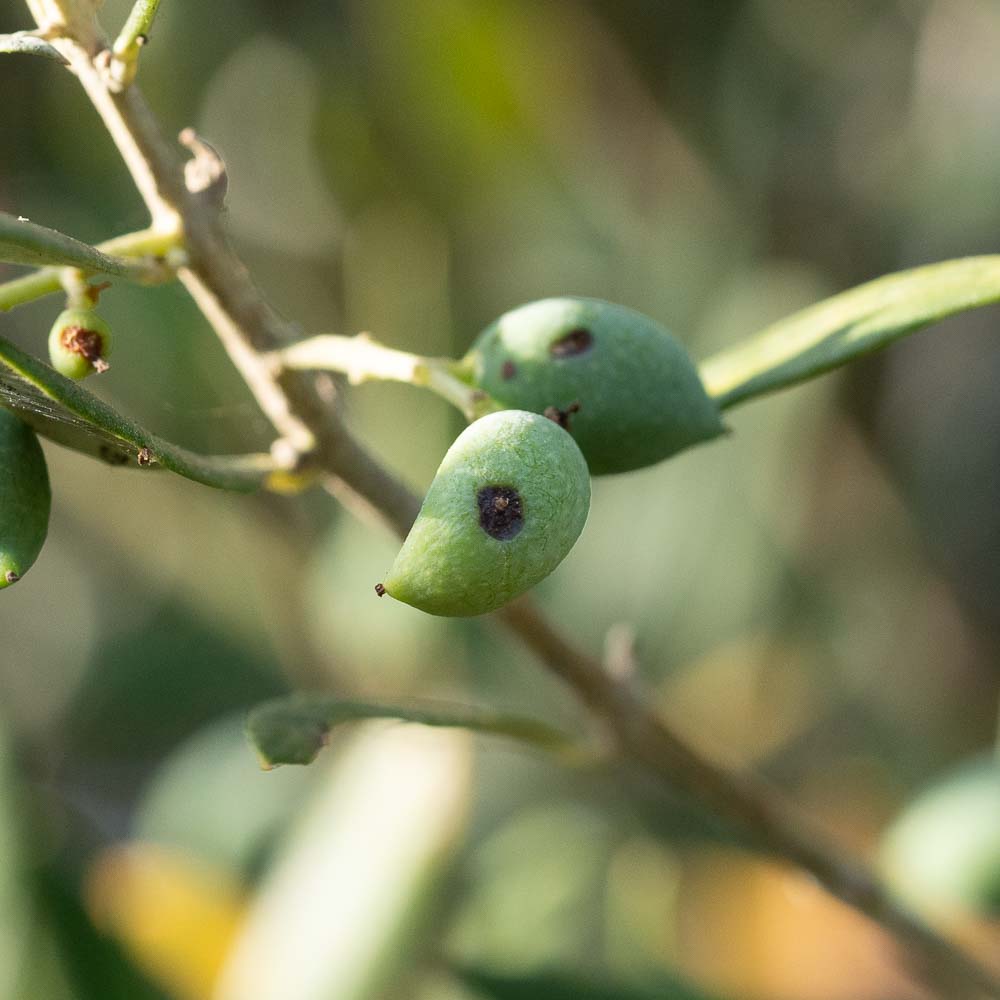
<point>507,504</point>
<point>79,343</point>
<point>640,396</point>
<point>25,499</point>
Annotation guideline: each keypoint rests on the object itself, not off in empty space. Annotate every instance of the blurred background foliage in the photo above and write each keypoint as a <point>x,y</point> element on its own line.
<point>816,597</point>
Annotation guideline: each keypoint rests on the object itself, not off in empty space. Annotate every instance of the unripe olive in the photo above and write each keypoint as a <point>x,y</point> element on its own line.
<point>79,343</point>
<point>639,394</point>
<point>506,505</point>
<point>942,854</point>
<point>25,498</point>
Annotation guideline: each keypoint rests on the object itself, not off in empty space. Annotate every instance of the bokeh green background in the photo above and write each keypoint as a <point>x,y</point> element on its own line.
<point>816,597</point>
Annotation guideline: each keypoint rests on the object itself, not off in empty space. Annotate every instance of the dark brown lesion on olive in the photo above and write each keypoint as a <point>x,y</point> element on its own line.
<point>577,341</point>
<point>89,344</point>
<point>508,370</point>
<point>11,577</point>
<point>380,589</point>
<point>501,514</point>
<point>561,417</point>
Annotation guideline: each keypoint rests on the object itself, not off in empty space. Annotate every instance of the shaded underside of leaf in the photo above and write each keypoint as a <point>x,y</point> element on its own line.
<point>24,242</point>
<point>69,414</point>
<point>293,730</point>
<point>849,325</point>
<point>28,43</point>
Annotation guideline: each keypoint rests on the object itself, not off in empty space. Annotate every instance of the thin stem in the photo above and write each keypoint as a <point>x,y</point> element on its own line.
<point>363,359</point>
<point>47,280</point>
<point>134,35</point>
<point>295,400</point>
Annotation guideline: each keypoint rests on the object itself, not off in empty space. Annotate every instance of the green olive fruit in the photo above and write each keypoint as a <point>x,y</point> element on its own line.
<point>942,854</point>
<point>79,343</point>
<point>507,504</point>
<point>640,396</point>
<point>25,498</point>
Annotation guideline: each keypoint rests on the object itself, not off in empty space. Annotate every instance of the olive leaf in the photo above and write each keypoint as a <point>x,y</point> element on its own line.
<point>24,242</point>
<point>294,729</point>
<point>70,415</point>
<point>28,43</point>
<point>846,326</point>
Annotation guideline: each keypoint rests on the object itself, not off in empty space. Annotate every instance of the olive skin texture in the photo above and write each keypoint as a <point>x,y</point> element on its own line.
<point>942,854</point>
<point>25,498</point>
<point>640,397</point>
<point>507,504</point>
<point>79,343</point>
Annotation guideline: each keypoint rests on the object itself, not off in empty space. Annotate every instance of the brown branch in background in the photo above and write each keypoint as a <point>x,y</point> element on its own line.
<point>302,408</point>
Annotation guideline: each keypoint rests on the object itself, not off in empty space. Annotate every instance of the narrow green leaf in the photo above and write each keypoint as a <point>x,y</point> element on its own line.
<point>70,415</point>
<point>840,329</point>
<point>28,43</point>
<point>293,730</point>
<point>24,242</point>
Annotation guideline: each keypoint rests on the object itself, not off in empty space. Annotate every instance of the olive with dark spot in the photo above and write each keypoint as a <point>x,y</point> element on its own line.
<point>79,343</point>
<point>506,506</point>
<point>640,396</point>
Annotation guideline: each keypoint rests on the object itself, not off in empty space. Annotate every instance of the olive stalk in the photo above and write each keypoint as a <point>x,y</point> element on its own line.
<point>363,359</point>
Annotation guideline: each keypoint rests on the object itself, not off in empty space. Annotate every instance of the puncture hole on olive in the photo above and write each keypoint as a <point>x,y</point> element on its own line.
<point>500,513</point>
<point>577,341</point>
<point>561,417</point>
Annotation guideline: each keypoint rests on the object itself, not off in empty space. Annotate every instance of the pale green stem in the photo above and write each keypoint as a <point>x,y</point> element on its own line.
<point>135,34</point>
<point>363,359</point>
<point>48,280</point>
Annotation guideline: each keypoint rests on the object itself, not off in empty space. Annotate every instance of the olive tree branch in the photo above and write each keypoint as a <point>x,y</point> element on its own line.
<point>302,408</point>
<point>363,359</point>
